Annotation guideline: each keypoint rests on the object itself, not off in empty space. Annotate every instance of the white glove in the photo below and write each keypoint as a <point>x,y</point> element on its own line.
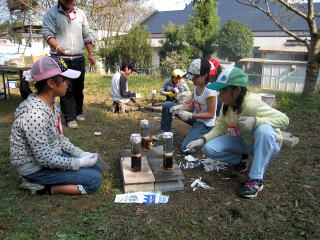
<point>88,160</point>
<point>138,95</point>
<point>176,108</point>
<point>196,144</point>
<point>246,123</point>
<point>176,90</point>
<point>184,115</point>
<point>85,154</point>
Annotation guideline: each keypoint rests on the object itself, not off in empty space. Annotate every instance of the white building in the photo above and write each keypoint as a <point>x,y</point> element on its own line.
<point>276,55</point>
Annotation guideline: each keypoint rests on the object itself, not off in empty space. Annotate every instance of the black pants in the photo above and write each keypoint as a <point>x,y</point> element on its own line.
<point>72,102</point>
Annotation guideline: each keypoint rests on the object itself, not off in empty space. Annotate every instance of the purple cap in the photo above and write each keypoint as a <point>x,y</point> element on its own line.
<point>48,67</point>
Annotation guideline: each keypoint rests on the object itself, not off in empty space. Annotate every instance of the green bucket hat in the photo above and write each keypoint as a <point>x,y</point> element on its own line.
<point>230,76</point>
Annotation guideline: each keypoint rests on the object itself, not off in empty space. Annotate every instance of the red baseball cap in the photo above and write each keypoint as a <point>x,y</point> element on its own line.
<point>214,66</point>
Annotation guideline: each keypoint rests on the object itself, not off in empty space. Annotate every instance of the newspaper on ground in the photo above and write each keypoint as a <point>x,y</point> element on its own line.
<point>198,183</point>
<point>208,164</point>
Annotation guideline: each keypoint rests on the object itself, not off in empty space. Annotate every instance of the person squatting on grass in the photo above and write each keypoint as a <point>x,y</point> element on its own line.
<point>246,125</point>
<point>66,30</point>
<point>200,111</point>
<point>175,89</point>
<point>43,156</point>
<point>123,100</point>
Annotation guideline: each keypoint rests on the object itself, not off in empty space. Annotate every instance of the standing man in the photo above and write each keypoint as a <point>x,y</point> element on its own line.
<point>66,30</point>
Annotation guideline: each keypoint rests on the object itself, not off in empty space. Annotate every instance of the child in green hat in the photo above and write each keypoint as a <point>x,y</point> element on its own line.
<point>246,125</point>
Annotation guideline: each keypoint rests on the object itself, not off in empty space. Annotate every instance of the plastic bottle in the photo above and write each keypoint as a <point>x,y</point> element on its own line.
<point>135,141</point>
<point>146,142</point>
<point>153,97</point>
<point>167,150</point>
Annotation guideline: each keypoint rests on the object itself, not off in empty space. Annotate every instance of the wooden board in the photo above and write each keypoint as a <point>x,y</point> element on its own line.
<point>136,181</point>
<point>152,175</point>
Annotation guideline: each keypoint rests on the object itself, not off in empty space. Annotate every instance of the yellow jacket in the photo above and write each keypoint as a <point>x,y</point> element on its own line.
<point>251,107</point>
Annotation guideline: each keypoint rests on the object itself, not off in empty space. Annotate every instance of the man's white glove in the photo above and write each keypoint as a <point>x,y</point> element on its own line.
<point>88,160</point>
<point>176,108</point>
<point>138,95</point>
<point>195,145</point>
<point>184,115</point>
<point>246,123</point>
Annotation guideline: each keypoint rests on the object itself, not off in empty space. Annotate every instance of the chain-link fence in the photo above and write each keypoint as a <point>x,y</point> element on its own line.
<point>278,82</point>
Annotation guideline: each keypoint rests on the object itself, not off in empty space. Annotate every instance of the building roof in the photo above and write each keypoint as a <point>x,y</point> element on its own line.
<point>157,20</point>
<point>258,21</point>
<point>228,9</point>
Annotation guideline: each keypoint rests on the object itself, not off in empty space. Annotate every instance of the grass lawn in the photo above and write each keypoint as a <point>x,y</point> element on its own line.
<point>288,207</point>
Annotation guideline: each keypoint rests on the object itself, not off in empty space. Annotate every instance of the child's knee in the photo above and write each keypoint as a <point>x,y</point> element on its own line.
<point>265,130</point>
<point>94,182</point>
<point>208,150</point>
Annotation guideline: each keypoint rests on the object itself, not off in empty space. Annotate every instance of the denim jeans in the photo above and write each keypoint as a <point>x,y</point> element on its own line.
<point>89,178</point>
<point>198,128</point>
<point>166,118</point>
<point>229,149</point>
<point>197,131</point>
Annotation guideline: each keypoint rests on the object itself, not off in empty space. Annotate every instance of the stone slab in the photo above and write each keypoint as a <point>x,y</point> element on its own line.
<point>155,158</point>
<point>289,140</point>
<point>136,181</point>
<point>169,186</point>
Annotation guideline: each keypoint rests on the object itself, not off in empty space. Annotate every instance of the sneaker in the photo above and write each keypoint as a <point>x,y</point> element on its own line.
<point>80,117</point>
<point>157,137</point>
<point>34,188</point>
<point>251,188</point>
<point>72,124</point>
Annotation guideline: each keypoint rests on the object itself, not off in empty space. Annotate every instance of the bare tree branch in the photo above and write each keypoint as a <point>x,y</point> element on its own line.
<point>312,44</point>
<point>267,12</point>
<point>291,8</point>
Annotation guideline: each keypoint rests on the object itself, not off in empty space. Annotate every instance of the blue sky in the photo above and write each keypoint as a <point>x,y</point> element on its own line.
<point>166,5</point>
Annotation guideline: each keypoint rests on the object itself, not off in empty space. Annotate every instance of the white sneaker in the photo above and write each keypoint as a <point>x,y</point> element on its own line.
<point>32,187</point>
<point>72,124</point>
<point>80,117</point>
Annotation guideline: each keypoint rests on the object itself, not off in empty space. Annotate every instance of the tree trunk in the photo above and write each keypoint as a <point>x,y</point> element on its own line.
<point>206,54</point>
<point>312,70</point>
